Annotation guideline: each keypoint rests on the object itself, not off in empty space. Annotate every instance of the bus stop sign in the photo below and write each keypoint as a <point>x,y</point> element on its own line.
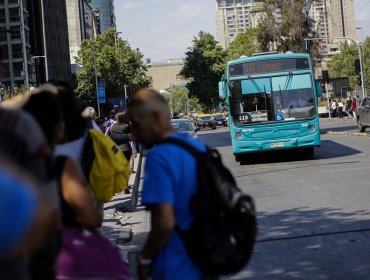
<point>101,92</point>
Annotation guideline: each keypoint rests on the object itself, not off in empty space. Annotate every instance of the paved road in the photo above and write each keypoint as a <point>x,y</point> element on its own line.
<point>314,215</point>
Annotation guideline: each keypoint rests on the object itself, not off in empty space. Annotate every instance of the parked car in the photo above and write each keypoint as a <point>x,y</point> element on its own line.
<point>205,121</point>
<point>220,119</point>
<point>184,126</point>
<point>363,114</point>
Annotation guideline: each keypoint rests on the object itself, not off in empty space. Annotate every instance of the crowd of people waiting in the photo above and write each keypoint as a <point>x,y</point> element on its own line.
<point>42,187</point>
<point>339,108</point>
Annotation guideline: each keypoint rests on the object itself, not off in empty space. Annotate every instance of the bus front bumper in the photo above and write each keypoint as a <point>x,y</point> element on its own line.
<point>299,142</point>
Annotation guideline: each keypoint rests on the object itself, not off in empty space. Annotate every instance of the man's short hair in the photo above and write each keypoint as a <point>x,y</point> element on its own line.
<point>89,112</point>
<point>149,99</point>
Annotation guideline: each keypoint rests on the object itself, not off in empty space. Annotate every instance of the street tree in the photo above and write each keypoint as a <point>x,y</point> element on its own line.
<point>245,43</point>
<point>204,66</point>
<point>366,56</point>
<point>178,98</point>
<point>116,63</point>
<point>343,63</point>
<point>286,32</point>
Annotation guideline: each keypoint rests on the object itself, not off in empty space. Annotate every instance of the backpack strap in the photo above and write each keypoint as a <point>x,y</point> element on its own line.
<point>185,145</point>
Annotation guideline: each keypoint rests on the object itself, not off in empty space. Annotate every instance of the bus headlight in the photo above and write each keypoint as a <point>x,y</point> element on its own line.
<point>238,135</point>
<point>312,128</point>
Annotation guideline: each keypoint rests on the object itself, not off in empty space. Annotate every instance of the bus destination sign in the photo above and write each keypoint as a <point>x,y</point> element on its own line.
<point>267,66</point>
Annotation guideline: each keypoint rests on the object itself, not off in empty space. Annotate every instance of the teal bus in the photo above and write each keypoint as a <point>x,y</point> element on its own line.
<point>272,101</point>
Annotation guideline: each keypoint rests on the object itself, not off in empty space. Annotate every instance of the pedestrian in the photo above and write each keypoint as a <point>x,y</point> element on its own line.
<point>354,107</point>
<point>340,109</point>
<point>170,180</point>
<point>121,126</point>
<point>348,107</point>
<point>334,106</point>
<point>89,112</point>
<point>77,204</point>
<point>111,120</point>
<point>25,221</point>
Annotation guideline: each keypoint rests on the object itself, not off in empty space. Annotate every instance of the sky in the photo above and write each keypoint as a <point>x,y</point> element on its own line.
<point>165,29</point>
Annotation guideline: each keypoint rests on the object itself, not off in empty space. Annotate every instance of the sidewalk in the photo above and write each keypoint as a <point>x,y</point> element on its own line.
<point>128,230</point>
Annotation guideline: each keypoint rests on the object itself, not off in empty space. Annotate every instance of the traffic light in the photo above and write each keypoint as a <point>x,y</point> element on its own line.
<point>97,21</point>
<point>359,80</point>
<point>325,76</point>
<point>322,87</point>
<point>357,67</point>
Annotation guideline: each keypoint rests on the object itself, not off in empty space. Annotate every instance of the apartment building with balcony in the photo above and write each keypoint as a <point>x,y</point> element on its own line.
<point>33,36</point>
<point>333,21</point>
<point>232,18</point>
<point>15,44</point>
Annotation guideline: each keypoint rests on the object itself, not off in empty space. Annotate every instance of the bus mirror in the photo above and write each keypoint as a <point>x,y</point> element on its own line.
<point>221,89</point>
<point>318,88</point>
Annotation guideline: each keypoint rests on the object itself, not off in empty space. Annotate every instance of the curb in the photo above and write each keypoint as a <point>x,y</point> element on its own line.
<point>347,133</point>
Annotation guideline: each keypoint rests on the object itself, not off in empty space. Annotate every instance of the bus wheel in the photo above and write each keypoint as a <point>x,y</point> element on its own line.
<point>308,152</point>
<point>239,157</point>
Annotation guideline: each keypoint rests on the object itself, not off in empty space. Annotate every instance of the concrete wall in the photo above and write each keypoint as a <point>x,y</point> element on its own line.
<point>165,74</point>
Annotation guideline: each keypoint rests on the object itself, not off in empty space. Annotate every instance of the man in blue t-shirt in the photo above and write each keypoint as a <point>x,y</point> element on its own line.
<point>169,183</point>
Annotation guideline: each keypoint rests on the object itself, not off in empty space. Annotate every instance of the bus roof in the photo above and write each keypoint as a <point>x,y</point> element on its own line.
<point>268,57</point>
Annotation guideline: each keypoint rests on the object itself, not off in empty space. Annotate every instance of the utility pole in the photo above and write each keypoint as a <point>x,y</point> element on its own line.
<point>25,58</point>
<point>94,59</point>
<point>44,41</point>
<point>361,69</point>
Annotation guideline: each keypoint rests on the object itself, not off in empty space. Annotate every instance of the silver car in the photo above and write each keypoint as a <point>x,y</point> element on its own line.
<point>184,126</point>
<point>363,114</point>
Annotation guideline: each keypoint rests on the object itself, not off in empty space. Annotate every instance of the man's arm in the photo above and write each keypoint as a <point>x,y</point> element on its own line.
<point>163,222</point>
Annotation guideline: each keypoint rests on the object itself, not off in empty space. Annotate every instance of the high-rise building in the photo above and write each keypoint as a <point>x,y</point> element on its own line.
<point>334,19</point>
<point>106,13</point>
<point>234,17</point>
<point>79,14</point>
<point>14,39</point>
<point>334,22</point>
<point>25,60</point>
<point>341,21</point>
<point>56,38</point>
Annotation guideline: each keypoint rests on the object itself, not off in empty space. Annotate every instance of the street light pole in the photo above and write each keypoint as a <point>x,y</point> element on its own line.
<point>94,58</point>
<point>44,41</point>
<point>361,61</point>
<point>361,69</point>
<point>362,33</point>
<point>25,58</point>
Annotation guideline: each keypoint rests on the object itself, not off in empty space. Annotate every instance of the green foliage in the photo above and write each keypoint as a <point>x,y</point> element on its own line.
<point>366,56</point>
<point>244,44</point>
<point>343,63</point>
<point>178,99</point>
<point>296,23</point>
<point>116,63</point>
<point>204,66</point>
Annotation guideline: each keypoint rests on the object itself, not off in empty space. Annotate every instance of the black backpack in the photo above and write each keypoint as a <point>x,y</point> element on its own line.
<point>221,238</point>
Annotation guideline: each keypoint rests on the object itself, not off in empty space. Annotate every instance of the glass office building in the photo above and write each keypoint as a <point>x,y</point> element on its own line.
<point>106,11</point>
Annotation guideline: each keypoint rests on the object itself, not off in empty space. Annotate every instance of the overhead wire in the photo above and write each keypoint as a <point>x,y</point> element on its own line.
<point>156,48</point>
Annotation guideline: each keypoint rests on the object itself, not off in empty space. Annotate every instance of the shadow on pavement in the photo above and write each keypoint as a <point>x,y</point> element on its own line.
<point>216,140</point>
<point>303,243</point>
<point>329,149</point>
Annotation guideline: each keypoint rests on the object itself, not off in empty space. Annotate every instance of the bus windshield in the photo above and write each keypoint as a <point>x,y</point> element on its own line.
<point>272,99</point>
